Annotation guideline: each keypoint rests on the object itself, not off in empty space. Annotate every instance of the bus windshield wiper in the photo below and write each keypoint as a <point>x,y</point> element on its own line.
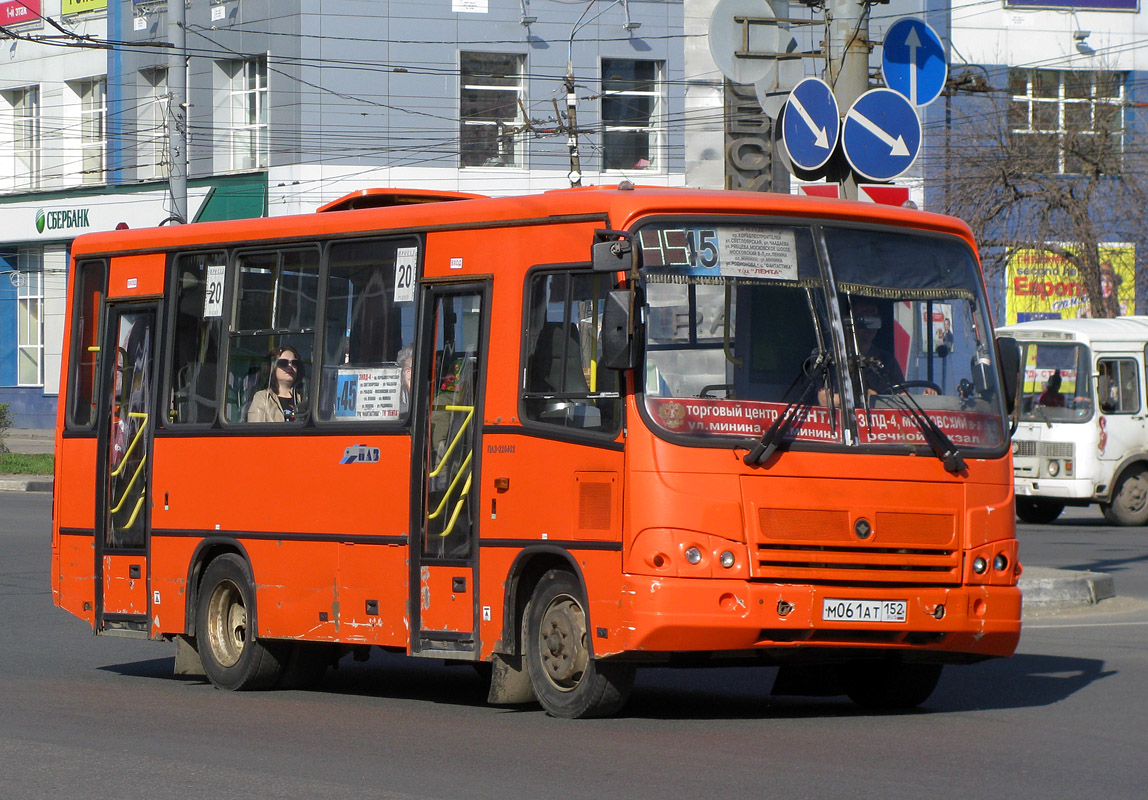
<point>939,442</point>
<point>812,370</point>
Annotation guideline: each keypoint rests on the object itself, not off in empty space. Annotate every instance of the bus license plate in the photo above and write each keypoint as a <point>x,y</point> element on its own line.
<point>837,610</point>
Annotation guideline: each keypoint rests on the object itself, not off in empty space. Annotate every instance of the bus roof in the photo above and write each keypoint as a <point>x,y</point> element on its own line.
<point>615,206</point>
<point>1116,329</point>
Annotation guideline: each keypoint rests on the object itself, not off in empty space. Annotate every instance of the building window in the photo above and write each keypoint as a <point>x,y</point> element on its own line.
<point>29,318</point>
<point>1068,122</point>
<point>151,133</point>
<point>632,105</point>
<point>25,109</point>
<point>490,110</point>
<point>93,111</point>
<point>246,112</point>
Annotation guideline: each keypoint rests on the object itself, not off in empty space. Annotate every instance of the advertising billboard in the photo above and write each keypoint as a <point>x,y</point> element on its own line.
<point>20,12</point>
<point>1043,285</point>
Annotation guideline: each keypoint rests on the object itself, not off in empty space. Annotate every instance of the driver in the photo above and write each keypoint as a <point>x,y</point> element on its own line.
<point>880,370</point>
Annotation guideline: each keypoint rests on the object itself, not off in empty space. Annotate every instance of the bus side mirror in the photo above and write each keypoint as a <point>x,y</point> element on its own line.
<point>617,331</point>
<point>1008,356</point>
<point>615,254</point>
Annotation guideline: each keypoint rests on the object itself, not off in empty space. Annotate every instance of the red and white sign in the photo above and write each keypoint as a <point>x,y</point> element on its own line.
<point>884,193</point>
<point>821,190</point>
<point>16,12</point>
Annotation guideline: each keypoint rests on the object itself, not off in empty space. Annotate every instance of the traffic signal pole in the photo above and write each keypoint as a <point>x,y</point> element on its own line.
<point>847,61</point>
<point>177,111</point>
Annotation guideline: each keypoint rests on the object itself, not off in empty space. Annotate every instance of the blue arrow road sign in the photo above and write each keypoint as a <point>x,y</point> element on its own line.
<point>810,124</point>
<point>913,61</point>
<point>881,135</point>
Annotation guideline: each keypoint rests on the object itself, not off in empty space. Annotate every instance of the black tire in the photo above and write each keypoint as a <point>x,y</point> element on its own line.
<point>232,655</point>
<point>1037,511</point>
<point>567,680</point>
<point>888,684</point>
<point>1129,505</point>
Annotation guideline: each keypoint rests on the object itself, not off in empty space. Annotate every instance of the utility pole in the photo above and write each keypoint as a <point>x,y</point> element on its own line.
<point>572,126</point>
<point>177,110</point>
<point>847,61</point>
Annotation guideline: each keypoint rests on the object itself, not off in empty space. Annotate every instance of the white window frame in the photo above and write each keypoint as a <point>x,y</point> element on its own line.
<point>1067,106</point>
<point>93,95</point>
<point>654,129</point>
<point>151,130</point>
<point>510,144</point>
<point>247,113</point>
<point>30,317</point>
<point>24,106</point>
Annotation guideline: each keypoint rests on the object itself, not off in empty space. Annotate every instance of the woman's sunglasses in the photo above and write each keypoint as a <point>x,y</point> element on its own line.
<point>293,363</point>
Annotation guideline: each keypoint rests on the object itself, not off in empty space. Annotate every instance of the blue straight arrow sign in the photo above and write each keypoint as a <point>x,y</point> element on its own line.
<point>881,135</point>
<point>913,61</point>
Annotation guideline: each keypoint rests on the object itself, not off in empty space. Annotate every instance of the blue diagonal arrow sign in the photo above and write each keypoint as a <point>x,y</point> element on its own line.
<point>810,124</point>
<point>881,135</point>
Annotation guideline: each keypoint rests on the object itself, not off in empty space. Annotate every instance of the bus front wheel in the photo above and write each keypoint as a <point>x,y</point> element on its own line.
<point>1129,504</point>
<point>1037,511</point>
<point>233,657</point>
<point>566,679</point>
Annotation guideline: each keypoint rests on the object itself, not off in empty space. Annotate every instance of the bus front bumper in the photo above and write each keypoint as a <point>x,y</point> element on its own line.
<point>1053,488</point>
<point>667,615</point>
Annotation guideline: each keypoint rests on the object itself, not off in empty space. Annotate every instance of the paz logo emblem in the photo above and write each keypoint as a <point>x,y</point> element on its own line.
<point>40,221</point>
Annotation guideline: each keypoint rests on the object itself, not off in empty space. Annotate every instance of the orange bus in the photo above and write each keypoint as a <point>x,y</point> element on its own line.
<point>559,436</point>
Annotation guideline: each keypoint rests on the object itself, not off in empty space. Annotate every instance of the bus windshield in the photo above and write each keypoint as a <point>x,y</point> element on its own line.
<point>1057,384</point>
<point>857,335</point>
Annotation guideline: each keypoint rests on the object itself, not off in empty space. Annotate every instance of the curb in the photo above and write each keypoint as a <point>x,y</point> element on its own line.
<point>24,483</point>
<point>1045,588</point>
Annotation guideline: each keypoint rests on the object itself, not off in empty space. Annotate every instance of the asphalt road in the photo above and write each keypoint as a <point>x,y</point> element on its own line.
<point>96,717</point>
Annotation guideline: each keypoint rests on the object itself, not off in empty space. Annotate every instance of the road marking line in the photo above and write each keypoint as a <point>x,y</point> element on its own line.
<point>1081,625</point>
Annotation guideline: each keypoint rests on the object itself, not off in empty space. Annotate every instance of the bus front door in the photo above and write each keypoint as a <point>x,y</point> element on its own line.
<point>122,513</point>
<point>443,601</point>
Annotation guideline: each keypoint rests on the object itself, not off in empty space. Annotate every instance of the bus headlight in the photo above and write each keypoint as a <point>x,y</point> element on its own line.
<point>693,555</point>
<point>726,559</point>
<point>1000,563</point>
<point>1053,468</point>
<point>980,565</point>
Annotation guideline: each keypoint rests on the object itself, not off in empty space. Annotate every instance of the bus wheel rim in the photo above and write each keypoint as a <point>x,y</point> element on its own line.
<point>562,643</point>
<point>227,627</point>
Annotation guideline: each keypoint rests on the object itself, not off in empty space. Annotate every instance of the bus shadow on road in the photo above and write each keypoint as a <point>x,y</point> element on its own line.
<point>1022,681</point>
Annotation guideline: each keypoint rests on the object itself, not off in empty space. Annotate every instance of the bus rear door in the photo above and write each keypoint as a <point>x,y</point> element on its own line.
<point>444,552</point>
<point>123,479</point>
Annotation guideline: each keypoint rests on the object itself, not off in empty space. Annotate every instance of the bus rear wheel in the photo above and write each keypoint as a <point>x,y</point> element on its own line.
<point>1037,511</point>
<point>232,655</point>
<point>566,679</point>
<point>888,684</point>
<point>1129,504</point>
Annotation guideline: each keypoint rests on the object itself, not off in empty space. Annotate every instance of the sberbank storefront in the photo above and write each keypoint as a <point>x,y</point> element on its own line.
<point>36,231</point>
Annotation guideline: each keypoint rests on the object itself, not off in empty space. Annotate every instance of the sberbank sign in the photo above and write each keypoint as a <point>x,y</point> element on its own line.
<point>61,220</point>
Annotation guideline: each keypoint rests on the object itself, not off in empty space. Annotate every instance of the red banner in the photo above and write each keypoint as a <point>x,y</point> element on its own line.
<point>15,12</point>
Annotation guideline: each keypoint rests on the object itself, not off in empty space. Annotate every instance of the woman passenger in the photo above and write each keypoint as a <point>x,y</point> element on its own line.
<point>280,401</point>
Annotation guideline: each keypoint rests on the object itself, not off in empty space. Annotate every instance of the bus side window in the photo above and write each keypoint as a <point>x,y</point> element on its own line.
<point>198,315</point>
<point>369,331</point>
<point>1118,386</point>
<point>564,383</point>
<point>92,280</point>
<point>275,307</point>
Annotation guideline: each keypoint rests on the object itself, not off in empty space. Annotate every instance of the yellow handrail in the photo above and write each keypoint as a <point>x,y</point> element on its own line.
<point>457,437</point>
<point>128,488</point>
<point>450,489</point>
<point>457,509</point>
<point>135,513</point>
<point>135,440</point>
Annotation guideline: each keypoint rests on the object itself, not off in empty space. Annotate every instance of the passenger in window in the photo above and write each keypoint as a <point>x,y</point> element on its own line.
<point>1051,395</point>
<point>280,401</point>
<point>404,359</point>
